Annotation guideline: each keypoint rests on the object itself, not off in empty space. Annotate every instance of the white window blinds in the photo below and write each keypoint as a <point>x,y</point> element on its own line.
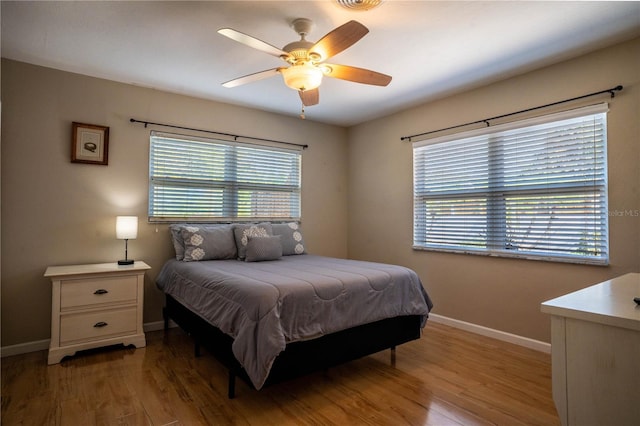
<point>198,179</point>
<point>536,188</point>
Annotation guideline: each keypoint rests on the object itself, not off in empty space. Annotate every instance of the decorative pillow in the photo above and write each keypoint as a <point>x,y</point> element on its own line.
<point>243,232</point>
<point>208,242</point>
<point>176,239</point>
<point>291,237</point>
<point>263,248</point>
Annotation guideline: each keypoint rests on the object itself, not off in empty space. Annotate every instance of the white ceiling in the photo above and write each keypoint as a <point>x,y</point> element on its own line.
<point>431,48</point>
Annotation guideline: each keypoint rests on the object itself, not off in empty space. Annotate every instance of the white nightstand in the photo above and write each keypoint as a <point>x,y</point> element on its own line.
<point>95,305</point>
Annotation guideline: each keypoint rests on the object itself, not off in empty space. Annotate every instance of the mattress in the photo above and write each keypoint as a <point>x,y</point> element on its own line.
<point>265,305</point>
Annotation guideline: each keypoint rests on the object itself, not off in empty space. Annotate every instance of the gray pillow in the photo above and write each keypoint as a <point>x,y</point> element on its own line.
<point>243,232</point>
<point>290,236</point>
<point>176,239</point>
<point>208,242</point>
<point>263,248</point>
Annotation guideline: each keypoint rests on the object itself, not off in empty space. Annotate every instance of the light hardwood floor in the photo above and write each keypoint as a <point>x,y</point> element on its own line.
<point>448,377</point>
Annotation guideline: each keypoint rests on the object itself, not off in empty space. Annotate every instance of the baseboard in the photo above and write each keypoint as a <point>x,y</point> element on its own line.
<point>24,348</point>
<point>40,345</point>
<point>157,325</point>
<point>490,332</point>
<point>43,345</point>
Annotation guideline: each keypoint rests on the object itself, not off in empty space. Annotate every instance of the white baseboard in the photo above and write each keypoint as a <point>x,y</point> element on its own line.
<point>490,332</point>
<point>42,345</point>
<point>24,348</point>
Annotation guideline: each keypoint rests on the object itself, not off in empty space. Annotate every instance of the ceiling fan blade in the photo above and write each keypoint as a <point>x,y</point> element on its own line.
<point>339,39</point>
<point>358,75</point>
<point>309,97</point>
<point>252,42</point>
<point>252,77</point>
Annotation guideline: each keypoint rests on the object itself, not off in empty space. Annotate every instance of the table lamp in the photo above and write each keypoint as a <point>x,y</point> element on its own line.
<point>126,229</point>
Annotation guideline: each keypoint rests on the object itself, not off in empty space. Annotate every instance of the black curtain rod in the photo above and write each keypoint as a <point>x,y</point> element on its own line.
<point>235,137</point>
<point>486,120</point>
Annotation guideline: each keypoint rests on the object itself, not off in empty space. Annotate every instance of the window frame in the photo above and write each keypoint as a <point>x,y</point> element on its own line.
<point>496,224</point>
<point>230,172</point>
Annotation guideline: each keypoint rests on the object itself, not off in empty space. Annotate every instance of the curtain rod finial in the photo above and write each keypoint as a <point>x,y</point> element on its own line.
<point>612,92</point>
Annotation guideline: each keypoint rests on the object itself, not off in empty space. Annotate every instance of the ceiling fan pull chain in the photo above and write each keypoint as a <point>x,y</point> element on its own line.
<point>302,112</point>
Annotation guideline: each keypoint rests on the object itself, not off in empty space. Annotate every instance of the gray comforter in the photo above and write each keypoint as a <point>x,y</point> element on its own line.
<point>265,305</point>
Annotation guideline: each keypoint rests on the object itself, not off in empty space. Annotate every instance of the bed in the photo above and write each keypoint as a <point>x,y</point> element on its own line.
<point>269,311</point>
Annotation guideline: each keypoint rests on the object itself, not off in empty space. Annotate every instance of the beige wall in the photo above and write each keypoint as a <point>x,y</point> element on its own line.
<point>504,294</point>
<point>55,212</point>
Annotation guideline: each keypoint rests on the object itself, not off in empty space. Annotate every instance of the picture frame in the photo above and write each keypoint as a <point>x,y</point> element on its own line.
<point>90,144</point>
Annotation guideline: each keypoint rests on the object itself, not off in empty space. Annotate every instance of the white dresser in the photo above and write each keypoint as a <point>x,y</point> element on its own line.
<point>95,305</point>
<point>595,353</point>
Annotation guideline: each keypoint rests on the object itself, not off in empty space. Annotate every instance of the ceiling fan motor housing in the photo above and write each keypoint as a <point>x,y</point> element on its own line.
<point>299,50</point>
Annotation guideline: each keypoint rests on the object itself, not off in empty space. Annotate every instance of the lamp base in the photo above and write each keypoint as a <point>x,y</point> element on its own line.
<point>125,262</point>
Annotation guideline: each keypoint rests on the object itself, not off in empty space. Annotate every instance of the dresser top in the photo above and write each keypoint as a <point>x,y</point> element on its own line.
<point>610,302</point>
<point>96,268</point>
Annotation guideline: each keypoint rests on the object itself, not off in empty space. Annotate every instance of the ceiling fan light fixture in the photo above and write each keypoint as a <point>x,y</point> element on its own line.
<point>360,5</point>
<point>302,77</point>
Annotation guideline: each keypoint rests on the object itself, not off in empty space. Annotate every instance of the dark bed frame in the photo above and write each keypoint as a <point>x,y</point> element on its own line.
<point>298,358</point>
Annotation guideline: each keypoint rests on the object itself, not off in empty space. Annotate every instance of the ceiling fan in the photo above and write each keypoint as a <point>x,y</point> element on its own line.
<point>306,59</point>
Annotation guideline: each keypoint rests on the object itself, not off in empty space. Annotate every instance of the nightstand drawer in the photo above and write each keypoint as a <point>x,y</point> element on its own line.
<point>97,325</point>
<point>95,291</point>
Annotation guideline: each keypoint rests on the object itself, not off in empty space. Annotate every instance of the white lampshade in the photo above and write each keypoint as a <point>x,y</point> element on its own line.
<point>302,77</point>
<point>127,227</point>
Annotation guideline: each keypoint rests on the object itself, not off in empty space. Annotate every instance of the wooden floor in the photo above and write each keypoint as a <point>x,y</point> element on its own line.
<point>448,377</point>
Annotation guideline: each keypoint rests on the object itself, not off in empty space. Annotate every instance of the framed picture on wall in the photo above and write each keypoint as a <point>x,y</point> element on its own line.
<point>90,144</point>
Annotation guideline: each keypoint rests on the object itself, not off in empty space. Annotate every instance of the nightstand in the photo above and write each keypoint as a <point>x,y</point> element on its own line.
<point>94,306</point>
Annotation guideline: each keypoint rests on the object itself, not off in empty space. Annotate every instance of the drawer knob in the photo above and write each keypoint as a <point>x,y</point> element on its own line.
<point>101,291</point>
<point>100,324</point>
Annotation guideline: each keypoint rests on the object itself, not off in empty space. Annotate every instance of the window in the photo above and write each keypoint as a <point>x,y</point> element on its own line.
<point>198,179</point>
<point>535,188</point>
